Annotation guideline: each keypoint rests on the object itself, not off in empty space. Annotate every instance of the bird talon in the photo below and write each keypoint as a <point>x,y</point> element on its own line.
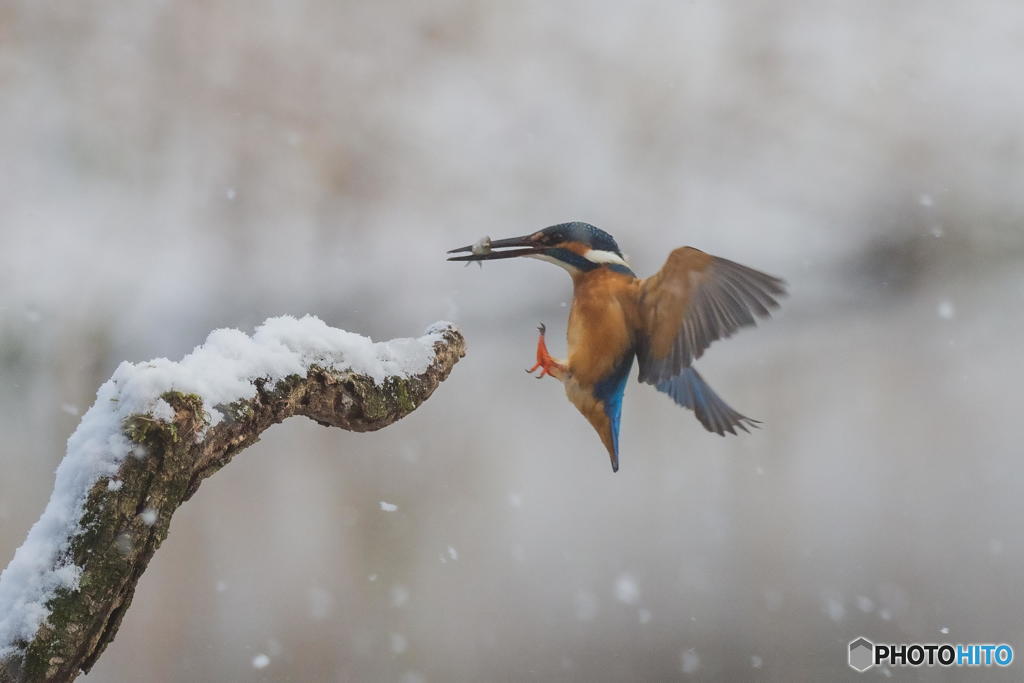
<point>547,365</point>
<point>543,370</point>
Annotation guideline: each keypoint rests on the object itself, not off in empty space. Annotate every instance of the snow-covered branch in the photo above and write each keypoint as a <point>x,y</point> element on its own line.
<point>156,430</point>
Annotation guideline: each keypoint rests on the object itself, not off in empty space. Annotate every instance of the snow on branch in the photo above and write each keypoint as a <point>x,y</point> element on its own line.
<point>156,430</point>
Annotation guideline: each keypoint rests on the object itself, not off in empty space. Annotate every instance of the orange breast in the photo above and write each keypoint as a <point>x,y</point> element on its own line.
<point>602,323</point>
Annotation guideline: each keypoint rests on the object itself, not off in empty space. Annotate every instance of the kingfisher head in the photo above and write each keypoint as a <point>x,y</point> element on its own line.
<point>576,246</point>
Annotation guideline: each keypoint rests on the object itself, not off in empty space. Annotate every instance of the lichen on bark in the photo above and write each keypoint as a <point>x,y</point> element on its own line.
<point>124,523</point>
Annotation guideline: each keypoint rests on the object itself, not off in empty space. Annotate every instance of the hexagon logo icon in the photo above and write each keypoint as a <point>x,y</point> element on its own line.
<point>862,654</point>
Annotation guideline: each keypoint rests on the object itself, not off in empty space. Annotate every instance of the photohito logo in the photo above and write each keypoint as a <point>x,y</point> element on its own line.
<point>863,654</point>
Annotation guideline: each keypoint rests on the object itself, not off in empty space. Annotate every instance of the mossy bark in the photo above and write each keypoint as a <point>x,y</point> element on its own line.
<point>122,528</point>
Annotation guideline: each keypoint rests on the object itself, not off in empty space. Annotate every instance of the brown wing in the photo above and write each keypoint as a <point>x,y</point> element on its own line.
<point>693,300</point>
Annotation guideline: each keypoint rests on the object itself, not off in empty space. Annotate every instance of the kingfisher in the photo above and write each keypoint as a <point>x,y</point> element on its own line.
<point>665,322</point>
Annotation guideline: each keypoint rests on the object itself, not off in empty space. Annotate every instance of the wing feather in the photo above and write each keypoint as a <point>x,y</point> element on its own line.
<point>694,300</point>
<point>689,390</point>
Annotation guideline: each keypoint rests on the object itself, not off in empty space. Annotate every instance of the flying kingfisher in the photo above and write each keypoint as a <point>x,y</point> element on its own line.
<point>666,321</point>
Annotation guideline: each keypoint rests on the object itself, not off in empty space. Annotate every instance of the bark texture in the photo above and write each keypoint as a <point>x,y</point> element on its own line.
<point>123,528</point>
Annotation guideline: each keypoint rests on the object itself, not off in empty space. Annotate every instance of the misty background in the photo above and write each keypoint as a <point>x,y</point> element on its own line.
<point>173,167</point>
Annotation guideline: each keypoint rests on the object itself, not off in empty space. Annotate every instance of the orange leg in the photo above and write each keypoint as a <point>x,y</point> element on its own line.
<point>547,364</point>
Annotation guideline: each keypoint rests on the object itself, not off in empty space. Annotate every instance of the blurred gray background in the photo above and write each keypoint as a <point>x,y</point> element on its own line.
<point>173,167</point>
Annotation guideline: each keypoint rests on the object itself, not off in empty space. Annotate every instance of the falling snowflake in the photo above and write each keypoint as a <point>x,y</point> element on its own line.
<point>690,661</point>
<point>946,309</point>
<point>399,595</point>
<point>865,604</point>
<point>626,589</point>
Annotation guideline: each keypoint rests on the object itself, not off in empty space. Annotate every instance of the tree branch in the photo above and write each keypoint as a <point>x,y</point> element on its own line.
<point>126,514</point>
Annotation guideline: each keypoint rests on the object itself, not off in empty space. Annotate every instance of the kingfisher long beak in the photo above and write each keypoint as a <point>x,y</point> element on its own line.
<point>484,249</point>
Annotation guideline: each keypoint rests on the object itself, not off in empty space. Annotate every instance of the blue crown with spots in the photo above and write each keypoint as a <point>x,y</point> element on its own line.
<point>578,231</point>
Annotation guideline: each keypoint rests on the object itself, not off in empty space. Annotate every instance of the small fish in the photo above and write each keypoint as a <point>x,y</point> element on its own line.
<point>482,247</point>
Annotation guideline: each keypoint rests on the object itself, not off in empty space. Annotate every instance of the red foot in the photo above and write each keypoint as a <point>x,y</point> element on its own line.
<point>547,364</point>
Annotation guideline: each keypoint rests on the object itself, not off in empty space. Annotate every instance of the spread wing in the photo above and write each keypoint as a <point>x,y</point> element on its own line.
<point>693,300</point>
